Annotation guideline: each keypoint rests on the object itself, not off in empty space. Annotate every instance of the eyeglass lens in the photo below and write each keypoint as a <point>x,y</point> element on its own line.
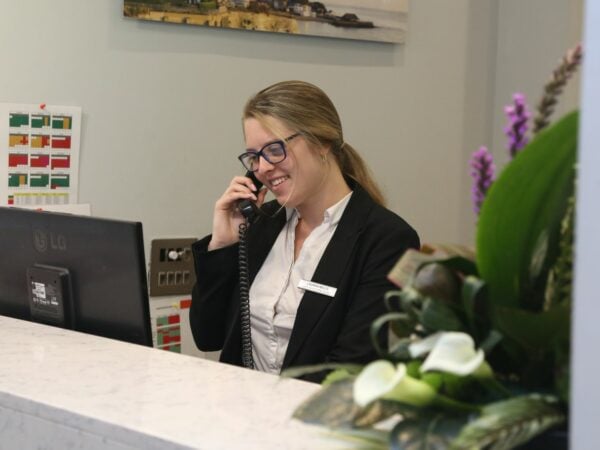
<point>273,153</point>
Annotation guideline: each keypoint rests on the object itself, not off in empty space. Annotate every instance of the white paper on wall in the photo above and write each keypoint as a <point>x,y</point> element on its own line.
<point>39,154</point>
<point>80,209</point>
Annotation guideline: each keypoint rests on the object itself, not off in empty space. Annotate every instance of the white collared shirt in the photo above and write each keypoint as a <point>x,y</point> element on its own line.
<point>275,295</point>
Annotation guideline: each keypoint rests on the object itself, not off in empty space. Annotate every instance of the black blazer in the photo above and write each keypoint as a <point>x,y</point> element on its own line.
<point>367,242</point>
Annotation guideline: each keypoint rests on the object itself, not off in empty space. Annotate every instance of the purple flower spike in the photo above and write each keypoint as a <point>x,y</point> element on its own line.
<point>516,130</point>
<point>483,173</point>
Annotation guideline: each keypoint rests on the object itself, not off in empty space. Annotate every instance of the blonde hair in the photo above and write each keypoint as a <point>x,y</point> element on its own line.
<point>303,107</point>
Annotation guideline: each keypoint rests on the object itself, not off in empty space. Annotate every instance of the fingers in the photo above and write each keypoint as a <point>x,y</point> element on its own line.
<point>245,182</point>
<point>240,188</point>
<point>261,196</point>
<point>227,216</point>
<point>243,185</point>
<point>249,182</point>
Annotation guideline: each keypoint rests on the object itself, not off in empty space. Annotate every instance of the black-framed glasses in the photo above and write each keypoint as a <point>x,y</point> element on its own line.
<point>273,152</point>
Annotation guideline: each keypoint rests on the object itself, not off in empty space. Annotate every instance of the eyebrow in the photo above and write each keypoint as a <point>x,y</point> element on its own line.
<point>253,150</point>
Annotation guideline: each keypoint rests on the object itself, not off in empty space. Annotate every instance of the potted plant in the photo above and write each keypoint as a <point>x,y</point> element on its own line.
<point>481,356</point>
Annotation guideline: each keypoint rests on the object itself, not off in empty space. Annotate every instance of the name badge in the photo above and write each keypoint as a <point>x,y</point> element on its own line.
<point>317,287</point>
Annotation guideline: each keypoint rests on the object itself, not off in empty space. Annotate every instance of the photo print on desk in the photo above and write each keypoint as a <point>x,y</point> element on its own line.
<point>39,164</point>
<point>369,20</point>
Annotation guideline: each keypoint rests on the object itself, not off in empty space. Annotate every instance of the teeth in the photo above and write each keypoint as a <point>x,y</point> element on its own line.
<point>278,181</point>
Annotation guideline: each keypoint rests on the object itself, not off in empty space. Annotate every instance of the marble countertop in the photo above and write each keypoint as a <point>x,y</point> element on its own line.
<point>139,397</point>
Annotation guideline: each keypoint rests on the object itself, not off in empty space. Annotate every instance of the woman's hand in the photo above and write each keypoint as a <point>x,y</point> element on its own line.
<point>227,217</point>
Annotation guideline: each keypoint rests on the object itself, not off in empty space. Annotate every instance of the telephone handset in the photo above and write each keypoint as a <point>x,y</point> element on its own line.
<point>250,211</point>
<point>247,207</point>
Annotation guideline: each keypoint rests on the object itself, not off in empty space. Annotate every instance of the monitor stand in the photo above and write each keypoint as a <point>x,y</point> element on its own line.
<point>49,291</point>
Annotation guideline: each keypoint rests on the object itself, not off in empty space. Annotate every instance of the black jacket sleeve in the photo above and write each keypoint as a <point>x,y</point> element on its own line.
<point>216,279</point>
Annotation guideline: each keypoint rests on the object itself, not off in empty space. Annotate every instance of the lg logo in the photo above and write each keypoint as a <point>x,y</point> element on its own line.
<point>43,241</point>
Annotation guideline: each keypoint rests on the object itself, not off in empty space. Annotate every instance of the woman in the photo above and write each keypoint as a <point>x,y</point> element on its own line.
<point>319,255</point>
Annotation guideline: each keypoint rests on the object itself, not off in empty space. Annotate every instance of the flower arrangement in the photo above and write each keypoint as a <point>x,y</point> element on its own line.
<point>481,351</point>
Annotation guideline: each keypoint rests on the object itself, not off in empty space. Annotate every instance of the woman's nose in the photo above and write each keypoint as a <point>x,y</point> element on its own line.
<point>264,165</point>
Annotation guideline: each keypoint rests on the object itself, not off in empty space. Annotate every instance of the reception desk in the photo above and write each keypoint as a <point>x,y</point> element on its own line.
<point>61,389</point>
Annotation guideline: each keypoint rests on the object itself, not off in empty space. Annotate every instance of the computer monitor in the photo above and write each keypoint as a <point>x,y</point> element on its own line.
<point>77,272</point>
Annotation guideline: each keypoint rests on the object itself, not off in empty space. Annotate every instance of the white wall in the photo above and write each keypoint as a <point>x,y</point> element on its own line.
<point>533,36</point>
<point>162,103</point>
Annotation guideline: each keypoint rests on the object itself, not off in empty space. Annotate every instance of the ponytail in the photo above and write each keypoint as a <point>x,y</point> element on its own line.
<point>353,166</point>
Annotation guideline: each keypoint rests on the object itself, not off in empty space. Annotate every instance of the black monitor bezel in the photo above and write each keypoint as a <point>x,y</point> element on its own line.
<point>26,226</point>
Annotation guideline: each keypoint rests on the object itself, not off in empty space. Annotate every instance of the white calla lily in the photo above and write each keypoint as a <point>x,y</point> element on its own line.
<point>424,346</point>
<point>381,379</point>
<point>454,352</point>
<point>376,380</point>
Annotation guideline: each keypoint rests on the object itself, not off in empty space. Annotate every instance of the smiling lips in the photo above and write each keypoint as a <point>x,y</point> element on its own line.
<point>277,181</point>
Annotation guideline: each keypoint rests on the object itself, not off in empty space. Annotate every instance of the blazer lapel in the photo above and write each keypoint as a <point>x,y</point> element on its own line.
<point>330,270</point>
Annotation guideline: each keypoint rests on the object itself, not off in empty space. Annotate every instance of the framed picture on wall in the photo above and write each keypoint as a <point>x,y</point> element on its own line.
<point>370,20</point>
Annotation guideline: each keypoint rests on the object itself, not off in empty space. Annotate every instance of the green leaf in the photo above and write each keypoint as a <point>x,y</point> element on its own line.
<point>413,368</point>
<point>400,350</point>
<point>535,332</point>
<point>471,290</point>
<point>298,371</point>
<point>560,280</point>
<point>401,324</point>
<point>538,256</point>
<point>428,431</point>
<point>437,315</point>
<point>490,341</point>
<point>510,423</point>
<point>467,388</point>
<point>336,376</point>
<point>364,439</point>
<point>562,369</point>
<point>529,196</point>
<point>333,406</point>
<point>433,379</point>
<point>389,304</point>
<point>407,300</point>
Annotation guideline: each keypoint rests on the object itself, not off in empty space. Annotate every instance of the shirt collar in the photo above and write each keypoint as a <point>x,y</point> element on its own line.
<point>332,215</point>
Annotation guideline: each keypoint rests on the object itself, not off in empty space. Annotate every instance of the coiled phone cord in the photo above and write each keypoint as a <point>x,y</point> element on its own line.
<point>247,359</point>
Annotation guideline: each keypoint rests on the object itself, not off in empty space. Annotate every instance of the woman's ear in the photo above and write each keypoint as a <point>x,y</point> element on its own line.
<point>324,150</point>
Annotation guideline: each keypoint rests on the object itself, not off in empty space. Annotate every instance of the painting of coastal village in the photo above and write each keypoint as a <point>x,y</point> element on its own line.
<point>370,20</point>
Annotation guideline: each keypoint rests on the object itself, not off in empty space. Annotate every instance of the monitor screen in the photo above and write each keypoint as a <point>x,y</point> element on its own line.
<point>93,268</point>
